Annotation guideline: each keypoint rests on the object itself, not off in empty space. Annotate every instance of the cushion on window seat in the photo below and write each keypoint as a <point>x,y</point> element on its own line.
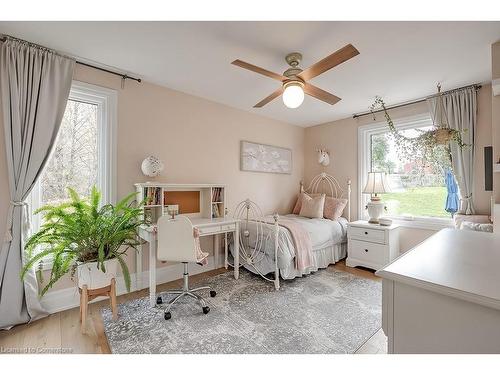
<point>478,219</point>
<point>468,225</point>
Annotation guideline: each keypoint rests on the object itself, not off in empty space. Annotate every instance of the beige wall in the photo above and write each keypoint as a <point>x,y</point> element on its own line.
<point>198,140</point>
<point>482,198</point>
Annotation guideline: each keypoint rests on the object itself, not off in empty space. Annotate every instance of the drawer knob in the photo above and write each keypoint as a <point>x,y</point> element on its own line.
<point>366,250</point>
<point>366,232</point>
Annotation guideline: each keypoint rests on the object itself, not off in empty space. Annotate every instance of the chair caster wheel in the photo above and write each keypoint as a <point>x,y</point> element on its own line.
<point>213,293</point>
<point>167,315</point>
<point>206,310</point>
<point>159,301</point>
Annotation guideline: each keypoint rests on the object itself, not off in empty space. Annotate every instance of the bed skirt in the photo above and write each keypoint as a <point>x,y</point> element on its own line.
<point>322,258</point>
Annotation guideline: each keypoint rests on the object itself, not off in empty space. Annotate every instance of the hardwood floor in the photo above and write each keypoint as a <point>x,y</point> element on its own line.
<point>377,344</point>
<point>60,332</point>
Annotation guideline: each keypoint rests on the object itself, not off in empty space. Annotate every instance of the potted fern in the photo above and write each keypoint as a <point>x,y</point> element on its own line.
<point>86,238</point>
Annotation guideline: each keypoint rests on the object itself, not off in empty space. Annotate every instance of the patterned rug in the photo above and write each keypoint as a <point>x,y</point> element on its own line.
<point>327,312</point>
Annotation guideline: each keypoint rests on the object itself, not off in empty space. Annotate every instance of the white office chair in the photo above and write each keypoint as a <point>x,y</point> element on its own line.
<point>176,243</point>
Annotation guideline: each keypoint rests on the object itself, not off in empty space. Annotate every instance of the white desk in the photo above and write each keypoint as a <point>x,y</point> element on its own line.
<point>206,227</point>
<point>443,296</point>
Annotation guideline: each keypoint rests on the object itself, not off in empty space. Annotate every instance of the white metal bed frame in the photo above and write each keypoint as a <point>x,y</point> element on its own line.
<point>248,210</point>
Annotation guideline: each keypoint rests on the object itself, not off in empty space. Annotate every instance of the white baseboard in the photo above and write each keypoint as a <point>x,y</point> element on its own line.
<point>65,299</point>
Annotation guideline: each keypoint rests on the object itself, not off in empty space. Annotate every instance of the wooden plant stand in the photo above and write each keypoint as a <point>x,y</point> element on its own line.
<point>87,295</point>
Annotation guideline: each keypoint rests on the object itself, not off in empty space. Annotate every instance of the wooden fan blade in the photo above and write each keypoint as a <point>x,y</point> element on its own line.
<point>271,97</point>
<point>336,58</point>
<point>317,93</point>
<point>259,70</point>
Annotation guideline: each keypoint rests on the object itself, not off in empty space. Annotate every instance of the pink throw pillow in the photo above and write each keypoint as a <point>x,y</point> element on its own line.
<point>313,207</point>
<point>298,204</point>
<point>334,207</point>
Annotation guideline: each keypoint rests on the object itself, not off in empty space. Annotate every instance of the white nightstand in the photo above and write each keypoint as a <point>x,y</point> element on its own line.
<point>371,245</point>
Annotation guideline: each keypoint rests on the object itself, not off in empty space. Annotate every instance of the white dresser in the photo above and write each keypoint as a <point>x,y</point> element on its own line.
<point>371,245</point>
<point>443,296</point>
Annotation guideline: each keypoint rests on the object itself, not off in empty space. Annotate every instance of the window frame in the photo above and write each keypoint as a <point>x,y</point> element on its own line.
<point>364,166</point>
<point>106,101</point>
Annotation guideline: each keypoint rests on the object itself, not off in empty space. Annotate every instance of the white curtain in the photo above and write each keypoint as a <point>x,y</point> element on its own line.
<point>460,110</point>
<point>34,89</point>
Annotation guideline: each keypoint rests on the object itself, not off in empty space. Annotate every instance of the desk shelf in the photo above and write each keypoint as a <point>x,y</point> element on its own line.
<point>193,200</point>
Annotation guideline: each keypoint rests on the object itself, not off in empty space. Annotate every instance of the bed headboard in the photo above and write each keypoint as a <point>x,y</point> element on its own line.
<point>329,185</point>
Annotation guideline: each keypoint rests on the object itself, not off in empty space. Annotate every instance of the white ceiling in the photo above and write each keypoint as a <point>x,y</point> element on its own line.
<point>398,60</point>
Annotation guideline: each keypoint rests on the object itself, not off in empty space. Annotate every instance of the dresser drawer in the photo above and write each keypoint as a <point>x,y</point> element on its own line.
<point>367,234</point>
<point>368,252</point>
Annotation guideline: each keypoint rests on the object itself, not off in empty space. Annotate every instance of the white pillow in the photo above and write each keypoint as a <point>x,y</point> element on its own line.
<point>480,219</point>
<point>312,207</point>
<point>479,227</point>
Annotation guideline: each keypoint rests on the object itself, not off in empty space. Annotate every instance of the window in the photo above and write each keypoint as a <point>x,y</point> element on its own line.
<point>418,191</point>
<point>83,154</point>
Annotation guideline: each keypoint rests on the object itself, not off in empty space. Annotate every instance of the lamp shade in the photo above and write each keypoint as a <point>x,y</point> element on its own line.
<point>293,96</point>
<point>377,183</point>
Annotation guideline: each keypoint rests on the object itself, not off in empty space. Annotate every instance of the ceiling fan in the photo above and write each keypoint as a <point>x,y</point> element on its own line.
<point>294,80</point>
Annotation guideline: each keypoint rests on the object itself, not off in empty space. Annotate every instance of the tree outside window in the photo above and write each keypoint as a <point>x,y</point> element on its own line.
<point>418,186</point>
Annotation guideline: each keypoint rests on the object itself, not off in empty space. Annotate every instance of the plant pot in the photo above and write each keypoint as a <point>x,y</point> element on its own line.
<point>443,136</point>
<point>93,277</point>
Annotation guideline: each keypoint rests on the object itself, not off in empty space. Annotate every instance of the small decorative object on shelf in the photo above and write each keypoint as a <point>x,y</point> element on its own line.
<point>377,184</point>
<point>152,196</point>
<point>148,216</point>
<point>152,166</point>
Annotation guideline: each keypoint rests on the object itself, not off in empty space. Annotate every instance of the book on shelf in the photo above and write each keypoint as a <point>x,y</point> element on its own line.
<point>215,210</point>
<point>217,194</point>
<point>152,196</point>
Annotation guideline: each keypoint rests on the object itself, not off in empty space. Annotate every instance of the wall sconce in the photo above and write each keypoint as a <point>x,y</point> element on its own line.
<point>323,157</point>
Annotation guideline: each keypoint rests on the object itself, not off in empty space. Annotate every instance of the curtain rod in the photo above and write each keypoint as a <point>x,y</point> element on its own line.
<point>122,75</point>
<point>475,85</point>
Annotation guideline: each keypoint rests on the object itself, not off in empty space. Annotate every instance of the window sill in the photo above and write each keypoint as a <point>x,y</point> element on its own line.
<point>434,224</point>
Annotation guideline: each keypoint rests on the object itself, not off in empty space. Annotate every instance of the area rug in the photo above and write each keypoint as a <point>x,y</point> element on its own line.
<point>327,312</point>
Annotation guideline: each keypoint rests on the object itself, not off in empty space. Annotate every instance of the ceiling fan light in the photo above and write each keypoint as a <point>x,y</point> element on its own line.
<point>293,96</point>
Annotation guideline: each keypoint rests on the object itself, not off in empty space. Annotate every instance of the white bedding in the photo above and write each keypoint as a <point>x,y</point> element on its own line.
<point>328,239</point>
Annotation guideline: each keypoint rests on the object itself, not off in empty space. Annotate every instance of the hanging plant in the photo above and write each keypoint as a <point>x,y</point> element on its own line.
<point>426,144</point>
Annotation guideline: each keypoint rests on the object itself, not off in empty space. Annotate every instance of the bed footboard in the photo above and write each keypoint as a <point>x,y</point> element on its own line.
<point>249,214</point>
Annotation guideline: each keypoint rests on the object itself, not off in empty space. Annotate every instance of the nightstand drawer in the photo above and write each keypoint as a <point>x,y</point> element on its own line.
<point>367,234</point>
<point>367,251</point>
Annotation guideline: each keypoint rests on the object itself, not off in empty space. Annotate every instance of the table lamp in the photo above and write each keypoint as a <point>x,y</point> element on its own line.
<point>377,184</point>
